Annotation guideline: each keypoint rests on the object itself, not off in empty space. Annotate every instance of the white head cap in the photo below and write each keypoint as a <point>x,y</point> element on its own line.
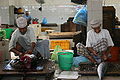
<point>95,23</point>
<point>21,22</point>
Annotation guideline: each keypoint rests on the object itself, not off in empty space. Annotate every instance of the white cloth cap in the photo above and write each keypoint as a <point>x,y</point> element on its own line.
<point>21,22</point>
<point>95,23</point>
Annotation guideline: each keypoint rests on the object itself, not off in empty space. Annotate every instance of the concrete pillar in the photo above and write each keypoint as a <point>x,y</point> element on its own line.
<point>94,11</point>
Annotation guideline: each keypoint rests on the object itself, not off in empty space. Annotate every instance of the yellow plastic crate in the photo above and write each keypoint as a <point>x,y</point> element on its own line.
<point>65,44</point>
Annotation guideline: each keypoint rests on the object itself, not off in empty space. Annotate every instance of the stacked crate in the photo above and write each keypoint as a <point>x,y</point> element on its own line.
<point>65,44</point>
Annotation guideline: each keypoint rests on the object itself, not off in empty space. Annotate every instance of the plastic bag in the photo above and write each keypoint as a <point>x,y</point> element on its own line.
<point>55,55</point>
<point>81,16</point>
<point>44,21</point>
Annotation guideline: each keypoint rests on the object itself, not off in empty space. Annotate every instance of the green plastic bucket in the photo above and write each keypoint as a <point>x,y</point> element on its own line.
<point>65,60</point>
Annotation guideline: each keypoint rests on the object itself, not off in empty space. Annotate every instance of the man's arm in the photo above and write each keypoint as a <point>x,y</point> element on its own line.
<point>16,51</point>
<point>92,50</point>
<point>89,41</point>
<point>33,44</point>
<point>91,57</point>
<point>12,44</point>
<point>33,41</point>
<point>105,53</point>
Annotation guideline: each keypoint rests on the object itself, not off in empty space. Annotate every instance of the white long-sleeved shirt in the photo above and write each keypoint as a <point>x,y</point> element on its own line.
<point>93,37</point>
<point>29,36</point>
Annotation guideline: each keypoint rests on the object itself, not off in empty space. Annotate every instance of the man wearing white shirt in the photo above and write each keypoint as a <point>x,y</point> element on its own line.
<point>23,41</point>
<point>98,43</point>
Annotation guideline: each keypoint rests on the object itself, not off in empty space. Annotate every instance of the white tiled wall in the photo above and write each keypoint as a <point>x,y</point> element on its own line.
<point>112,1</point>
<point>56,11</point>
<point>47,2</point>
<point>94,10</point>
<point>4,13</point>
<point>11,2</point>
<point>4,2</point>
<point>54,14</point>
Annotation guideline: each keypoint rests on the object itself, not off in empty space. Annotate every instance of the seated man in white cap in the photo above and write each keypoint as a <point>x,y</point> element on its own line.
<point>98,43</point>
<point>23,40</point>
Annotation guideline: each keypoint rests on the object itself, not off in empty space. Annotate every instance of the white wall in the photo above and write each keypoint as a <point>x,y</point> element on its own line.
<point>56,11</point>
<point>4,2</point>
<point>54,14</point>
<point>112,1</point>
<point>47,2</point>
<point>4,11</point>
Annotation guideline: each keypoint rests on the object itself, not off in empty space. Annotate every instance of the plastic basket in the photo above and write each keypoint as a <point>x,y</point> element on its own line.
<point>64,44</point>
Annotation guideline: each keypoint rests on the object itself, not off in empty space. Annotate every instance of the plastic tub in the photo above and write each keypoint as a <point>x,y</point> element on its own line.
<point>65,60</point>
